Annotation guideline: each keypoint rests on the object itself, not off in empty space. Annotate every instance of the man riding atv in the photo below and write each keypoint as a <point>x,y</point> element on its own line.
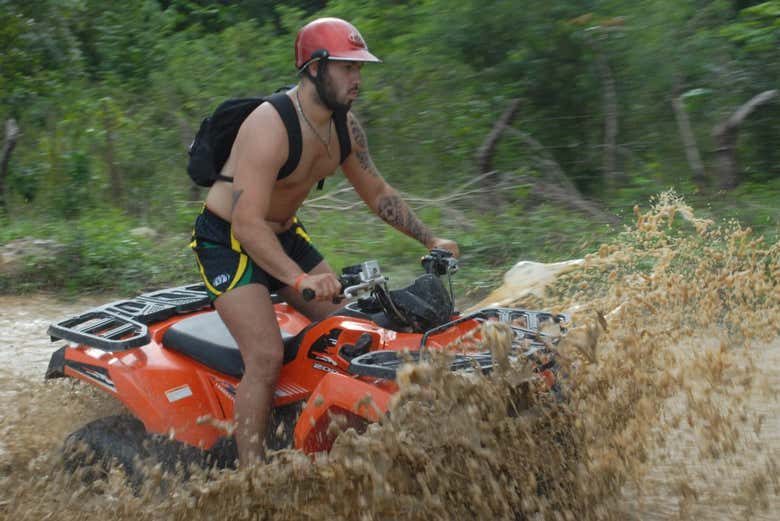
<point>249,242</point>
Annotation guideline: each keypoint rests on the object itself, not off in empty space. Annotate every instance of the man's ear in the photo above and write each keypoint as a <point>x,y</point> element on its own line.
<point>314,68</point>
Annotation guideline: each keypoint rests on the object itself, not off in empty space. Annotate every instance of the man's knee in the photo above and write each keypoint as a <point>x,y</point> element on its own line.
<point>262,362</point>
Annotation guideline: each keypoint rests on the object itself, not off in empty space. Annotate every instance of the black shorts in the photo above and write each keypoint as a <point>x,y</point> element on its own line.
<point>224,264</point>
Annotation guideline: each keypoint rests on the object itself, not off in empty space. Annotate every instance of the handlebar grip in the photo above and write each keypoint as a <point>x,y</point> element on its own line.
<point>308,295</point>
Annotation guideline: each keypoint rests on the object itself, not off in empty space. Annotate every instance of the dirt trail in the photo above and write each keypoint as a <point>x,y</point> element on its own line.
<point>23,327</point>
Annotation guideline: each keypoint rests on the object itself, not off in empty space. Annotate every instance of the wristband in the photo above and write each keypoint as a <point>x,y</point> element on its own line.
<point>298,280</point>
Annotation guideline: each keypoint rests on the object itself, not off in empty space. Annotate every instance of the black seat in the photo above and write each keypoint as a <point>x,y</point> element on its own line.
<point>206,339</point>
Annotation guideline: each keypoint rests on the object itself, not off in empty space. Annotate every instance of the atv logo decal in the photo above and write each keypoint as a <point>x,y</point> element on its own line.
<point>94,373</point>
<point>323,358</point>
<point>286,390</point>
<point>226,388</point>
<point>283,391</point>
<point>178,393</point>
<point>356,40</point>
<point>325,368</point>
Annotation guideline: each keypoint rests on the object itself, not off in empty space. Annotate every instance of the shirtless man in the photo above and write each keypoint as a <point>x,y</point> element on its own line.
<point>248,240</point>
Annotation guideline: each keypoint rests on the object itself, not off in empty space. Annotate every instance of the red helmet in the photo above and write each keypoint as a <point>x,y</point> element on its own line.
<point>331,38</point>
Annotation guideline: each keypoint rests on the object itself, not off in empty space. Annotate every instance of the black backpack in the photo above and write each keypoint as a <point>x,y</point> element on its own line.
<point>211,147</point>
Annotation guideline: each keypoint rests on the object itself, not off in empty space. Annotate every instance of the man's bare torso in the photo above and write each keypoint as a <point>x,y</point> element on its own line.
<point>288,193</point>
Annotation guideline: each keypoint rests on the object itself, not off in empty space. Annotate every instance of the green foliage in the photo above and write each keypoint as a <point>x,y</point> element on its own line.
<point>98,253</point>
<point>74,193</point>
<point>109,98</point>
<point>758,28</point>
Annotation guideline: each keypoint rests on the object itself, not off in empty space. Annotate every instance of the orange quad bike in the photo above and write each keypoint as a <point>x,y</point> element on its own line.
<point>168,357</point>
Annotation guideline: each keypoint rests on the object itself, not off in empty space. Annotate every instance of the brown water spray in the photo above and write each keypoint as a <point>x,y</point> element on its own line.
<point>672,374</point>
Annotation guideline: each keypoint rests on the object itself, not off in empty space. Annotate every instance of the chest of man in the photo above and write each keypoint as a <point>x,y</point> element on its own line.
<point>317,162</point>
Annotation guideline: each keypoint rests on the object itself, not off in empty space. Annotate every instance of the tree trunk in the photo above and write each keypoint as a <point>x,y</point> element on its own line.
<point>610,120</point>
<point>689,141</point>
<point>485,152</point>
<point>11,137</point>
<point>484,155</point>
<point>726,135</point>
<point>114,175</point>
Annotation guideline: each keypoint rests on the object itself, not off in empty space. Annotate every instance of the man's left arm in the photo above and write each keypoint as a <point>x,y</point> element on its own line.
<point>382,198</point>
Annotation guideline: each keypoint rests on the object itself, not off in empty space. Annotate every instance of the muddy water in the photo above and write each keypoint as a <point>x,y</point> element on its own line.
<point>673,410</point>
<point>28,407</point>
<point>23,325</point>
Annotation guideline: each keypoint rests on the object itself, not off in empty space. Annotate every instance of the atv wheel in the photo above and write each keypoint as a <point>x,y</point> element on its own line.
<point>103,443</point>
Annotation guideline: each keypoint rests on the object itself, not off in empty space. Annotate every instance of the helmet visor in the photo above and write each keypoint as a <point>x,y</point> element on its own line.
<point>355,55</point>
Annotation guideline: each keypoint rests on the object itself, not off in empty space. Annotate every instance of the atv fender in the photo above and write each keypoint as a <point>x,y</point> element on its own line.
<point>151,384</point>
<point>339,399</point>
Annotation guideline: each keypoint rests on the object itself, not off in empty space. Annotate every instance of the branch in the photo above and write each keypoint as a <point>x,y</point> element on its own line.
<point>559,195</point>
<point>744,111</point>
<point>551,192</point>
<point>689,141</point>
<point>725,136</point>
<point>549,165</point>
<point>562,191</point>
<point>323,202</point>
<point>484,154</point>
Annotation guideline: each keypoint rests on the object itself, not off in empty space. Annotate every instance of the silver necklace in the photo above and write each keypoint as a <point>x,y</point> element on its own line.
<point>324,141</point>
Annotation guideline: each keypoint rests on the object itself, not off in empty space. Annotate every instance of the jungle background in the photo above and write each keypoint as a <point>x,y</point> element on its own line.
<point>521,130</point>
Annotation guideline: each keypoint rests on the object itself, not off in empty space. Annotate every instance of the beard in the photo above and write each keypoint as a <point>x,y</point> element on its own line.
<point>327,92</point>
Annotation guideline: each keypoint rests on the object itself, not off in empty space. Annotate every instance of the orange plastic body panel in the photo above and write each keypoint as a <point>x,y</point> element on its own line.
<point>337,394</point>
<point>169,392</point>
<point>175,395</point>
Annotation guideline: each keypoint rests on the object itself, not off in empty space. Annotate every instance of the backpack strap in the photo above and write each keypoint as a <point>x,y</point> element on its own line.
<point>284,106</point>
<point>345,142</point>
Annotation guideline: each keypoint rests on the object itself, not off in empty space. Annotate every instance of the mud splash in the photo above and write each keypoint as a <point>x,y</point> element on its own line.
<point>673,378</point>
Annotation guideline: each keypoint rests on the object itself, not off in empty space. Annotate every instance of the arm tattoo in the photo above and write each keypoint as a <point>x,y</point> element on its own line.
<point>393,210</point>
<point>357,132</point>
<point>365,162</point>
<point>236,195</point>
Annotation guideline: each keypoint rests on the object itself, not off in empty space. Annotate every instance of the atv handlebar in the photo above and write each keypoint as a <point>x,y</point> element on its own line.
<point>354,280</point>
<point>346,291</point>
<point>439,262</point>
<point>363,278</point>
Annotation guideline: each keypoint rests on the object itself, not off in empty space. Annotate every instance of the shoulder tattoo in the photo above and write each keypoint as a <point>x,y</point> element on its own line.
<point>236,196</point>
<point>357,132</point>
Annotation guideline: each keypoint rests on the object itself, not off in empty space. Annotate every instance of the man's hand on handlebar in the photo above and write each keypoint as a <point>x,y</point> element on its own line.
<point>445,244</point>
<point>322,286</point>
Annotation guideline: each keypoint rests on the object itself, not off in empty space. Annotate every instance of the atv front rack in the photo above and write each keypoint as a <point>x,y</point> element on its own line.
<point>123,324</point>
<point>527,341</point>
<point>385,364</point>
<point>525,324</point>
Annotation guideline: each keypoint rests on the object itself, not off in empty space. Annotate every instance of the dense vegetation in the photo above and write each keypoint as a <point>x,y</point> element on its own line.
<point>616,101</point>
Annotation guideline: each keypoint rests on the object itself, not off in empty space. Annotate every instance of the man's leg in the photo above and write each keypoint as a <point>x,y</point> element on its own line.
<point>315,309</point>
<point>249,316</point>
